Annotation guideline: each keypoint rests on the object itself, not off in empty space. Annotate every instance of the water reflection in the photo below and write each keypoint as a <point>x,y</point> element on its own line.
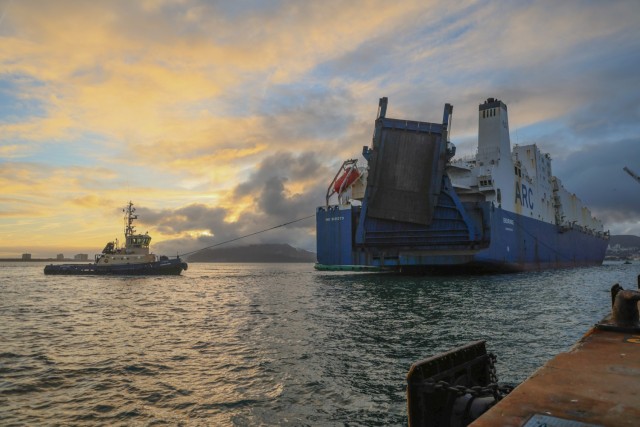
<point>268,344</point>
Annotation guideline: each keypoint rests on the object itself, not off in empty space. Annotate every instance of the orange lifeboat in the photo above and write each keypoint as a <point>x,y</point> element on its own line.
<point>344,181</point>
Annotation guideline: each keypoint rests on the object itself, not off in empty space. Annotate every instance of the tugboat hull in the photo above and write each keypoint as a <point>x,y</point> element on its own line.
<point>171,267</point>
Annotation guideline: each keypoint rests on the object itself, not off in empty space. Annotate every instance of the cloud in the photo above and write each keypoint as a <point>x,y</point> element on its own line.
<point>240,112</point>
<point>595,174</point>
<point>284,188</point>
<point>91,201</point>
<point>281,165</point>
<point>124,69</point>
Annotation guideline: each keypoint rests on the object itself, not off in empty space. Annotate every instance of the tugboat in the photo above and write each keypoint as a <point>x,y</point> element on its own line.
<point>133,259</point>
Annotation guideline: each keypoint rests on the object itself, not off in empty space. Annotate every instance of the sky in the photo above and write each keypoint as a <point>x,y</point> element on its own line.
<point>222,118</point>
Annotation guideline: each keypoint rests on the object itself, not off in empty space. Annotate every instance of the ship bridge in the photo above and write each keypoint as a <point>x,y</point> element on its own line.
<point>138,244</point>
<point>138,241</point>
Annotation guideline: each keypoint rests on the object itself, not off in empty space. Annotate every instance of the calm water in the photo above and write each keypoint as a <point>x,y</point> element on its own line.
<point>267,344</point>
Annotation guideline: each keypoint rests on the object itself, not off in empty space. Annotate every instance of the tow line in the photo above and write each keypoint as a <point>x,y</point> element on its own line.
<point>247,235</point>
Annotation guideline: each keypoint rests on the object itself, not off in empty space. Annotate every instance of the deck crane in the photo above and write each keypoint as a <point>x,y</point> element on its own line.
<point>633,174</point>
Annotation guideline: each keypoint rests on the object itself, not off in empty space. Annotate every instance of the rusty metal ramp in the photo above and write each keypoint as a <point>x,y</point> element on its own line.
<point>596,383</point>
<point>406,168</point>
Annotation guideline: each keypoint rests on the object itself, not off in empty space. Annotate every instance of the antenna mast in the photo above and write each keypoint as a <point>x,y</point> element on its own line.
<point>129,229</point>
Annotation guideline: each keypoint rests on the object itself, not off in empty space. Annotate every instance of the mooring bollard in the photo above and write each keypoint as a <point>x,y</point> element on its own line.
<point>625,308</point>
<point>625,316</point>
<point>614,291</point>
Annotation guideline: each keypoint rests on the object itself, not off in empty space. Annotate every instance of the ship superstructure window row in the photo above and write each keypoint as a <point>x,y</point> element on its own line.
<point>489,113</point>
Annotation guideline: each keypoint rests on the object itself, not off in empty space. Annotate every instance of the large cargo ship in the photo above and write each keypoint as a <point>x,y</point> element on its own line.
<point>414,206</point>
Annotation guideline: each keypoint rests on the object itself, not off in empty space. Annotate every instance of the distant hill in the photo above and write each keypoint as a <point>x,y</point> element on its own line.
<point>254,253</point>
<point>623,247</point>
<point>625,241</point>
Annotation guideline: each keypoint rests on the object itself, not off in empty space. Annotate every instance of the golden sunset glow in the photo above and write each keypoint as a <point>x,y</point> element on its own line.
<point>219,120</point>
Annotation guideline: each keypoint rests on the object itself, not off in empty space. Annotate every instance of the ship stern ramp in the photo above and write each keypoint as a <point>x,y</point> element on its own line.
<point>406,166</point>
<point>411,214</point>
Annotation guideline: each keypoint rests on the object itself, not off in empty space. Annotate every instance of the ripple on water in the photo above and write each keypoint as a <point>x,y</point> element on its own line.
<point>267,344</point>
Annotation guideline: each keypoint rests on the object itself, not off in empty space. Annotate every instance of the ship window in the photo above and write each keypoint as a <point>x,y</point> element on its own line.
<point>483,114</point>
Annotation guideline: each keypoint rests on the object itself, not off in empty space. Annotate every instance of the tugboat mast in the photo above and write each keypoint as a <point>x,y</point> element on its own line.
<point>129,229</point>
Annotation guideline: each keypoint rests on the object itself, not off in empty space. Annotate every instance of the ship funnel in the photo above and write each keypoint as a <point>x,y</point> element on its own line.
<point>494,145</point>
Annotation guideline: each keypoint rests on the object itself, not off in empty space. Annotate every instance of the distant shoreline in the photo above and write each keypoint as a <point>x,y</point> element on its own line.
<point>202,262</point>
<point>40,260</point>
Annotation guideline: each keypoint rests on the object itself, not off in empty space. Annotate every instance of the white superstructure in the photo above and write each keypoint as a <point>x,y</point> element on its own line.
<point>136,247</point>
<point>518,180</point>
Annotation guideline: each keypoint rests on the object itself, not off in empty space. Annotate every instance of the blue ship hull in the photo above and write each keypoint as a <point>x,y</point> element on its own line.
<point>159,268</point>
<point>510,242</point>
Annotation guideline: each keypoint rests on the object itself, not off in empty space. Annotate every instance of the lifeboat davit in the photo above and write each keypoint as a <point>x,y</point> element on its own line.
<point>344,181</point>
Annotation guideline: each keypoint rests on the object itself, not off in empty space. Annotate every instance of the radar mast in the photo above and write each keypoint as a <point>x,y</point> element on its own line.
<point>129,229</point>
